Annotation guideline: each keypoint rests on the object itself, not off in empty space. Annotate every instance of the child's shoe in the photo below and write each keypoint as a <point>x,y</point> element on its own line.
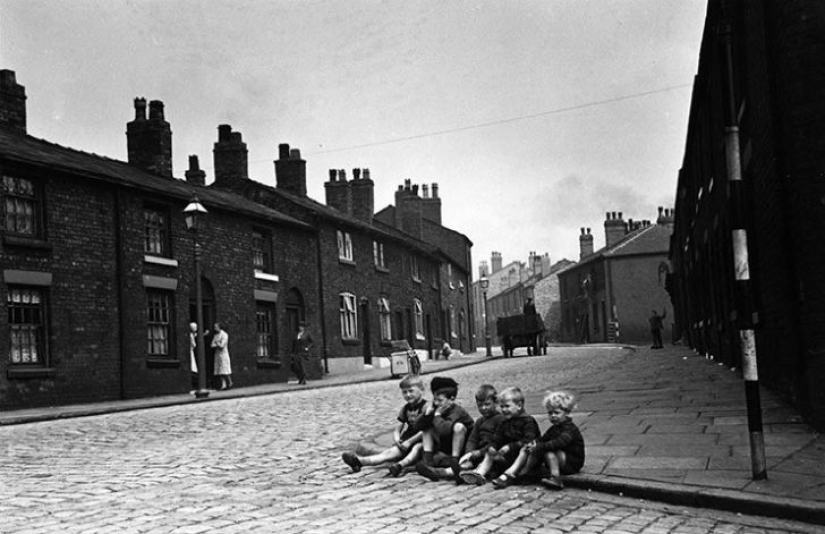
<point>473,478</point>
<point>552,482</point>
<point>503,481</point>
<point>352,461</point>
<point>433,473</point>
<point>396,470</point>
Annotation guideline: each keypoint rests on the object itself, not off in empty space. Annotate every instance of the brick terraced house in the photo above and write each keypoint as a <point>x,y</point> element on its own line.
<point>98,266</point>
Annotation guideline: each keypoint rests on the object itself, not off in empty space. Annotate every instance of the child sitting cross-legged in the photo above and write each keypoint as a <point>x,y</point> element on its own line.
<point>561,447</point>
<point>447,426</point>
<point>406,448</point>
<point>512,433</point>
<point>484,428</point>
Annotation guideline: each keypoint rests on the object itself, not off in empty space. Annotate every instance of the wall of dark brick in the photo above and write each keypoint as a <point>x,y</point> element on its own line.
<point>83,342</point>
<point>778,71</point>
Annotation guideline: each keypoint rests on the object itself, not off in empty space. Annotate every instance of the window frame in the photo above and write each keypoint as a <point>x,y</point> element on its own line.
<point>344,246</point>
<point>418,318</point>
<point>385,318</point>
<point>34,199</point>
<point>164,239</point>
<point>348,315</point>
<point>415,273</point>
<point>41,329</point>
<point>265,251</point>
<point>378,255</point>
<point>164,324</point>
<point>272,352</point>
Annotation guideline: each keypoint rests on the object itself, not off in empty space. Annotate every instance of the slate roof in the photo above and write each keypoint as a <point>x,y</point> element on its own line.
<point>374,228</point>
<point>33,151</point>
<point>654,239</point>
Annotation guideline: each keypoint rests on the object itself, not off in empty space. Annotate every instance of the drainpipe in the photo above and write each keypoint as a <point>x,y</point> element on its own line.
<point>324,348</point>
<point>743,286</point>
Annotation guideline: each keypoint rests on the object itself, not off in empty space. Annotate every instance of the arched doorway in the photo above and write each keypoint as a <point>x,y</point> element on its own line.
<point>208,307</point>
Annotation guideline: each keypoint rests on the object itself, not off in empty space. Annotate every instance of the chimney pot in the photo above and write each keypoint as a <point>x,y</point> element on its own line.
<point>435,190</point>
<point>333,175</point>
<point>224,133</point>
<point>366,174</point>
<point>140,109</point>
<point>356,174</point>
<point>194,164</point>
<point>425,190</point>
<point>194,175</point>
<point>294,153</point>
<point>156,110</point>
<point>342,175</point>
<point>283,151</point>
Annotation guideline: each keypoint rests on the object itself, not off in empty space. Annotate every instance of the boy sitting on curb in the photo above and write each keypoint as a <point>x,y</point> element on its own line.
<point>445,432</point>
<point>517,429</point>
<point>407,436</point>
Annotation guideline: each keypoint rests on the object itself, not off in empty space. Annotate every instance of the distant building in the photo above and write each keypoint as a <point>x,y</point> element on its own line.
<point>772,53</point>
<point>609,294</point>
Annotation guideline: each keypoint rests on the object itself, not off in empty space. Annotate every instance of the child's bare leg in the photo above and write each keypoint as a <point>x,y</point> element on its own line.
<point>518,464</point>
<point>389,455</point>
<point>555,460</point>
<point>416,451</point>
<point>478,475</point>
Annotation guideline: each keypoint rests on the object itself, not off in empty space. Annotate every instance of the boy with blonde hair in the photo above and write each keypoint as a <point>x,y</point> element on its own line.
<point>406,448</point>
<point>561,447</point>
<point>512,433</point>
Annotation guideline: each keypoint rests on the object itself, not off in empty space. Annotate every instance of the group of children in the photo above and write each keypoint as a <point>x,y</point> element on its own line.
<point>504,445</point>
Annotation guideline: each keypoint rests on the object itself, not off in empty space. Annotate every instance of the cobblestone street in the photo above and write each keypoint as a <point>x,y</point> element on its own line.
<point>272,464</point>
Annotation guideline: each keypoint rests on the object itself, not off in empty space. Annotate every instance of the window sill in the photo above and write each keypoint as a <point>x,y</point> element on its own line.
<point>350,342</point>
<point>31,372</point>
<point>382,269</point>
<point>162,363</point>
<point>29,242</point>
<point>267,363</point>
<point>345,261</point>
<point>259,275</point>
<point>159,260</point>
<point>416,280</point>
<point>386,343</point>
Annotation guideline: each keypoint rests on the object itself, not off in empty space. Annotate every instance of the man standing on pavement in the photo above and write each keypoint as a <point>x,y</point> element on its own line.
<point>656,327</point>
<point>300,352</point>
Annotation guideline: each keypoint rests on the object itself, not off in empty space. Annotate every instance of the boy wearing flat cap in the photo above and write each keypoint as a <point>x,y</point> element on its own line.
<point>446,427</point>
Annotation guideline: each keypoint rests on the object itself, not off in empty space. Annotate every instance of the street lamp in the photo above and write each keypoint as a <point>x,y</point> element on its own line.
<point>193,215</point>
<point>484,282</point>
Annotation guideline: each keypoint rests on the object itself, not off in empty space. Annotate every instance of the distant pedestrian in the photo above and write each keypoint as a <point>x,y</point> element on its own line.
<point>529,307</point>
<point>223,366</point>
<point>656,327</point>
<point>300,352</point>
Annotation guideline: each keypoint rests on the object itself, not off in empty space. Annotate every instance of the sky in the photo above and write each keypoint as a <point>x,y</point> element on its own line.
<point>534,117</point>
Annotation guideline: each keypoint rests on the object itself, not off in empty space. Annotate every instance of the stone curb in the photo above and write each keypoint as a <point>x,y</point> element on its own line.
<point>118,406</point>
<point>700,497</point>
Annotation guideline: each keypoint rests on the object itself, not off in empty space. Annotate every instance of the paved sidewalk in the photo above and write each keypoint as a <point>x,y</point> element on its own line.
<point>665,425</point>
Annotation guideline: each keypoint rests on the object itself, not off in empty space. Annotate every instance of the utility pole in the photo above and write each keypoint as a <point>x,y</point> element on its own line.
<point>742,285</point>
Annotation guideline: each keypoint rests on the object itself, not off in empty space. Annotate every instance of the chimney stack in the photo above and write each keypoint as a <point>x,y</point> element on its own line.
<point>230,156</point>
<point>338,192</point>
<point>495,262</point>
<point>363,195</point>
<point>195,175</point>
<point>149,142</point>
<point>408,210</point>
<point>665,217</point>
<point>483,270</point>
<point>431,205</point>
<point>614,228</point>
<point>291,171</point>
<point>12,103</point>
<point>585,244</point>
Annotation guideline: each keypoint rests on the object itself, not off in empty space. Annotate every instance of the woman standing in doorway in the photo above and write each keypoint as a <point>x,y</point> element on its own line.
<point>223,367</point>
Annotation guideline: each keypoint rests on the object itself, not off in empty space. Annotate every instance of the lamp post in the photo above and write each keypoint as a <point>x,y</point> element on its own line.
<point>193,215</point>
<point>484,282</point>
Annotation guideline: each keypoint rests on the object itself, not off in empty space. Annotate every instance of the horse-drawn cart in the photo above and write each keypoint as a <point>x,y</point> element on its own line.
<point>526,330</point>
